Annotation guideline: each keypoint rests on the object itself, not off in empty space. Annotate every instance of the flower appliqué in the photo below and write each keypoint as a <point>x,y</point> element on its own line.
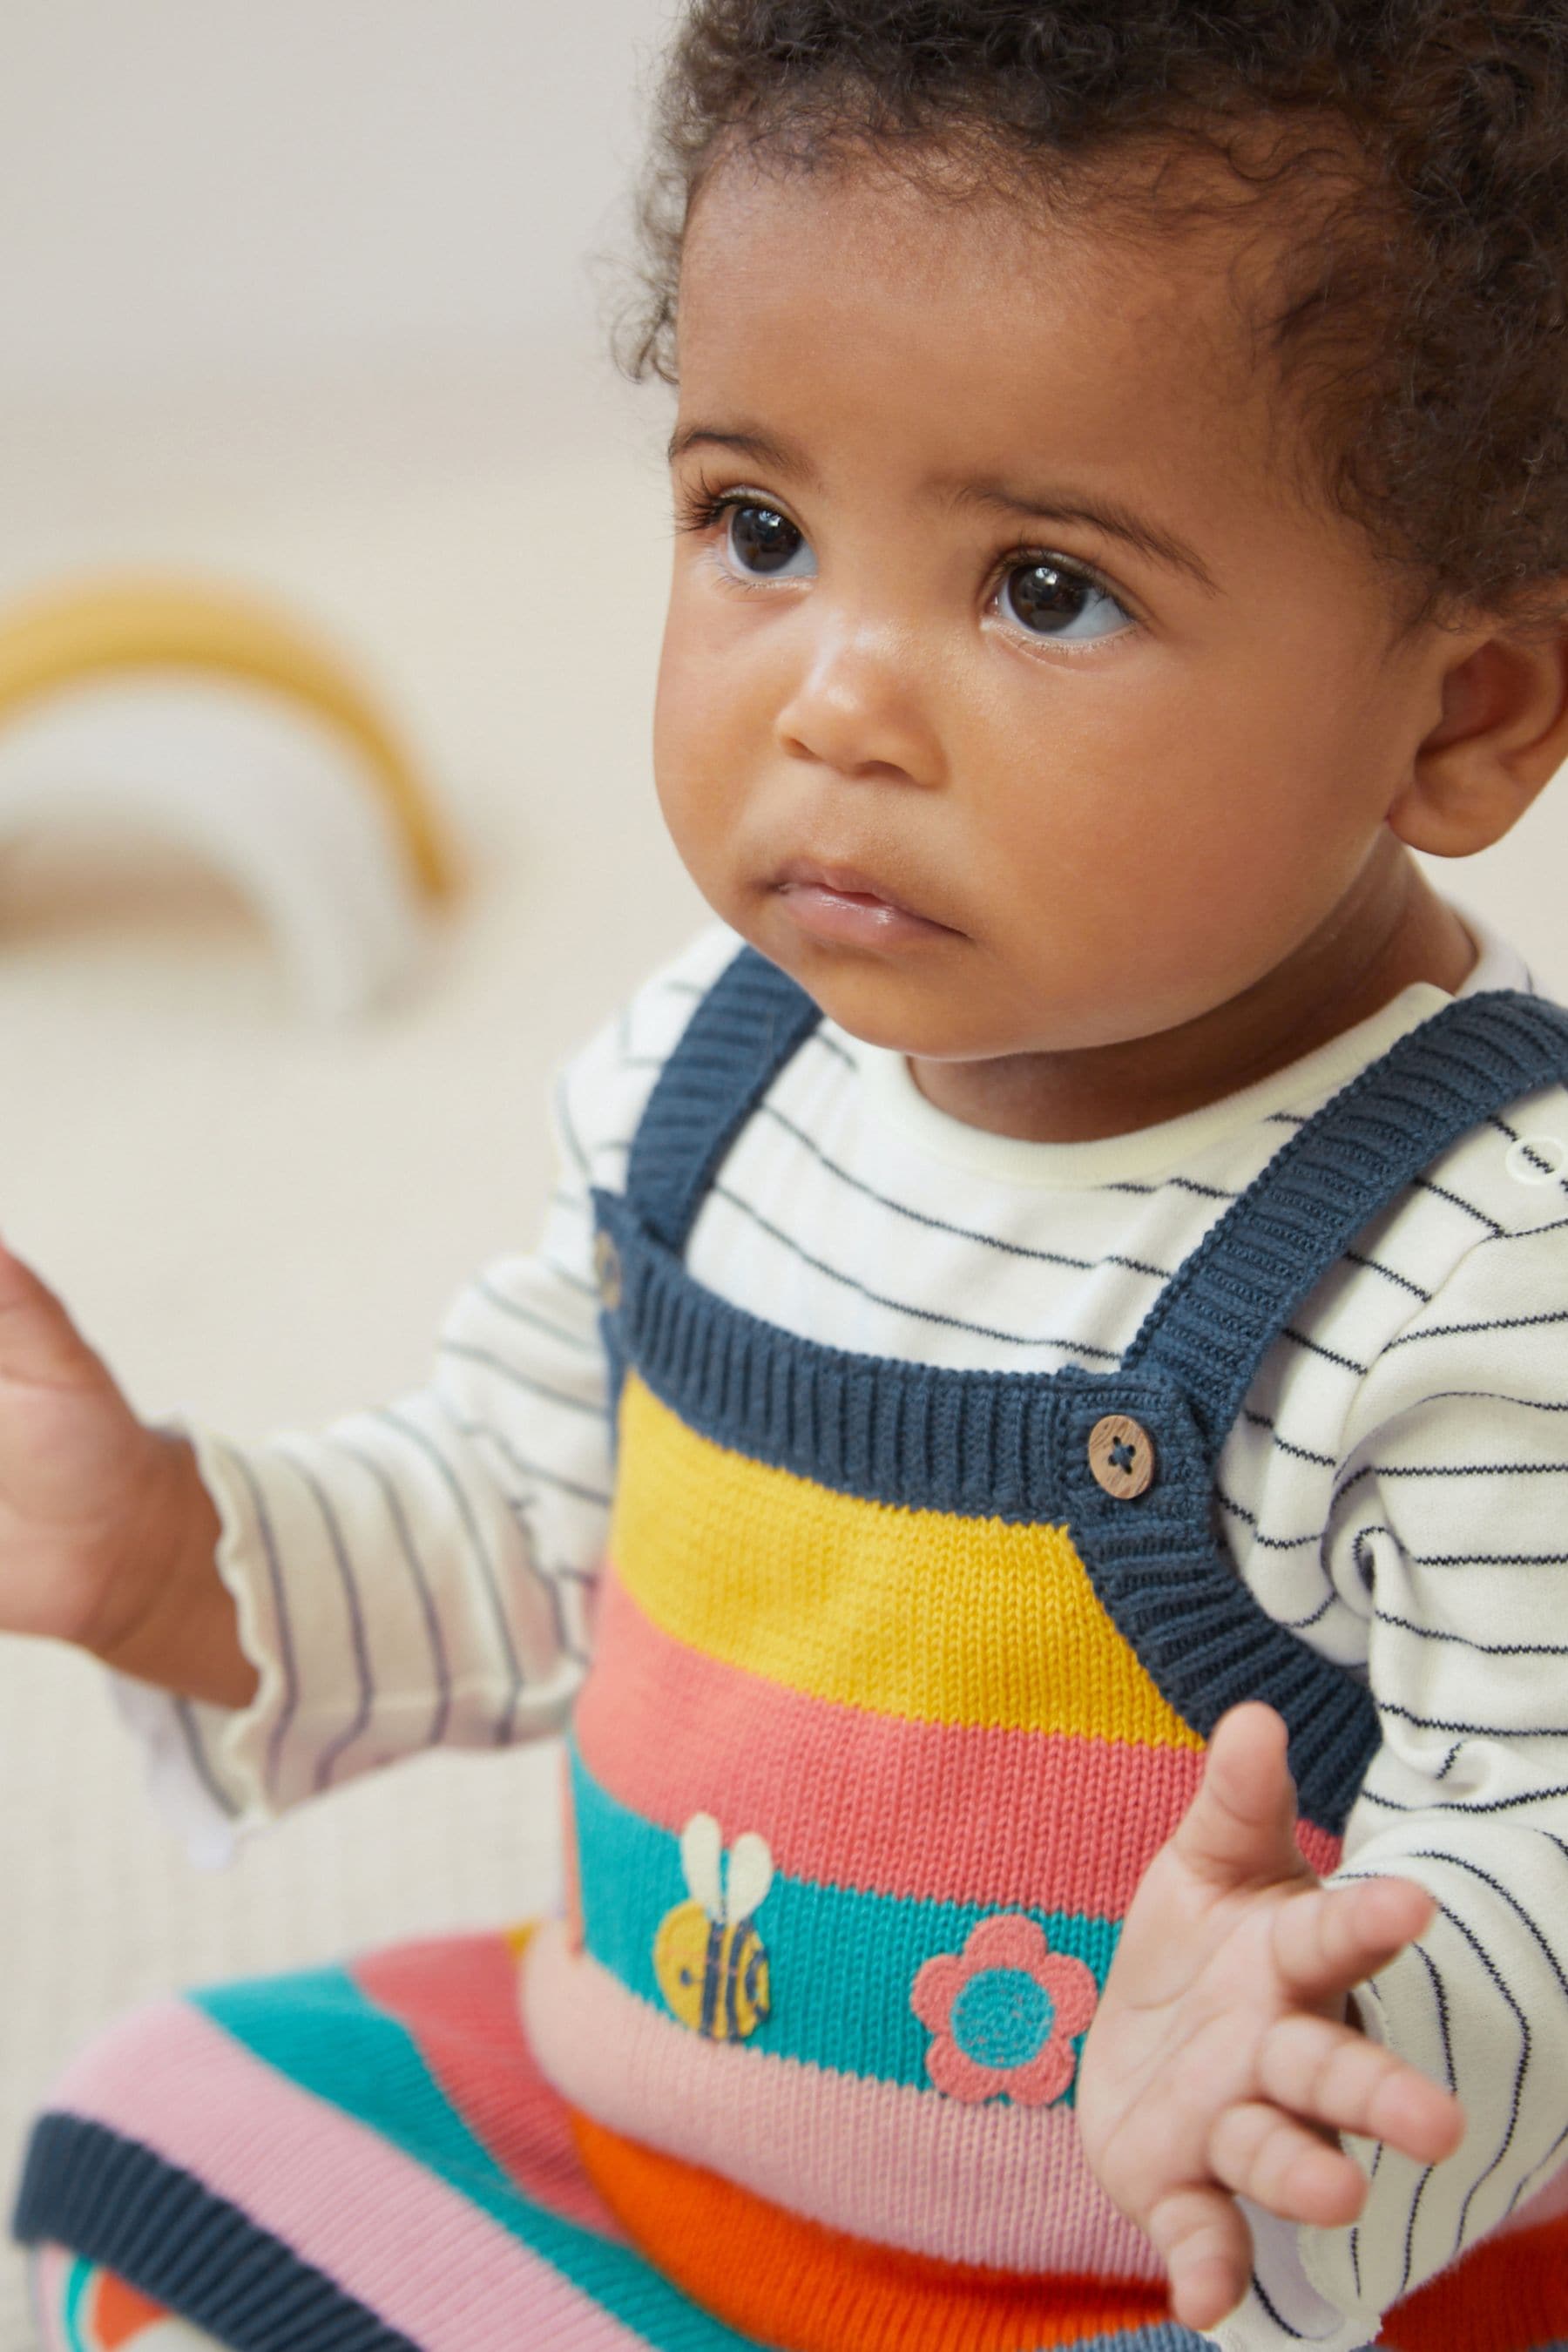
<point>1003,2013</point>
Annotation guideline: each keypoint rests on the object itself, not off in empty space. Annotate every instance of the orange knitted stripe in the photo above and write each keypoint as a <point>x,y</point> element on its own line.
<point>804,2288</point>
<point>120,2311</point>
<point>1506,2292</point>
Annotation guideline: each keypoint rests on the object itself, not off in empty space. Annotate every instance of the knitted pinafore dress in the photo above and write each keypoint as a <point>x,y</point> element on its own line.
<point>902,1676</point>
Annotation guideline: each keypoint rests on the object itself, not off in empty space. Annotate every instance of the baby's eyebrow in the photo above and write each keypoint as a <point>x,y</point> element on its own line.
<point>761,446</point>
<point>1104,514</point>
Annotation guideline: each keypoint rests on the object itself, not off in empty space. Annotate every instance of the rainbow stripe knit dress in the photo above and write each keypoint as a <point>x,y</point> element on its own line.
<point>901,1677</point>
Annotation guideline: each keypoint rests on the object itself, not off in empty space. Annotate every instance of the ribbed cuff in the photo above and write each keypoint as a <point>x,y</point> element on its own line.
<point>116,2202</point>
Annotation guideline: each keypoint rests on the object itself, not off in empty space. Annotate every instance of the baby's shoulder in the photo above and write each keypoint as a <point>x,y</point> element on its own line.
<point>1476,1247</point>
<point>1504,1179</point>
<point>601,1092</point>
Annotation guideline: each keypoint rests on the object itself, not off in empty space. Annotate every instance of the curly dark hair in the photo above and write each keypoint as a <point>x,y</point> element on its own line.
<point>1423,313</point>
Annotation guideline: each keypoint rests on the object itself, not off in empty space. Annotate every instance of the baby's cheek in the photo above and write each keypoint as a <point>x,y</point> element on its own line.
<point>1142,922</point>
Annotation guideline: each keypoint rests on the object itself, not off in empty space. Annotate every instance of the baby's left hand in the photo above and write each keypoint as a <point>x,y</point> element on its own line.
<point>1219,2059</point>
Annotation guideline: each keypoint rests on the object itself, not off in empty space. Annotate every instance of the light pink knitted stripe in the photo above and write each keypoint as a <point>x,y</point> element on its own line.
<point>1004,2186</point>
<point>384,2229</point>
<point>49,2267</point>
<point>961,1813</point>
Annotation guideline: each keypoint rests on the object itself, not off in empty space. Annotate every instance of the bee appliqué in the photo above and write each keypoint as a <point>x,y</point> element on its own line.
<point>711,1963</point>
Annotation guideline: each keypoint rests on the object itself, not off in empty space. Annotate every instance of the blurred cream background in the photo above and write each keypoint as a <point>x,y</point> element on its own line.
<point>298,295</point>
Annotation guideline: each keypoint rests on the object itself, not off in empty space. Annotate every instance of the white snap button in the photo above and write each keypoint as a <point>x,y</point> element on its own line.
<point>1536,1158</point>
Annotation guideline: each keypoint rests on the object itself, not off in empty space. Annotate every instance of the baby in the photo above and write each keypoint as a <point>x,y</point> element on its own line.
<point>1028,1460</point>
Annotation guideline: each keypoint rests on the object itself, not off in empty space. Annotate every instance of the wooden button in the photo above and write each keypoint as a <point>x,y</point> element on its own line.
<point>1121,1457</point>
<point>607,1271</point>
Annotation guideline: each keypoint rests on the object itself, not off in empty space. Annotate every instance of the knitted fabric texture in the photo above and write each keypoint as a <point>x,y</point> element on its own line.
<point>897,1689</point>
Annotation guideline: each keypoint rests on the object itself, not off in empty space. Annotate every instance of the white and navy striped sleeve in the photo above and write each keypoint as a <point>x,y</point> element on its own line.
<point>1449,1530</point>
<point>420,1574</point>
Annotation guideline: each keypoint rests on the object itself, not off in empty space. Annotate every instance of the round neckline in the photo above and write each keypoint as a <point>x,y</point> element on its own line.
<point>1169,1144</point>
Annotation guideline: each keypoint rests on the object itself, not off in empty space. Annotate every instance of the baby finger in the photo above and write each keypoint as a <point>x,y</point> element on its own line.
<point>1328,1939</point>
<point>1206,2247</point>
<point>1267,2156</point>
<point>1329,2075</point>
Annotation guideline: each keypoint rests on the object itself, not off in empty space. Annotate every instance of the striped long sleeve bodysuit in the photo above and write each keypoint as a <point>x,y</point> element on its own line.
<point>1390,1494</point>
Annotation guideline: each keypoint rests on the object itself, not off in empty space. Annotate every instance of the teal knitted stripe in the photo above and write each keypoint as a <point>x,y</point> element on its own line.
<point>841,1963</point>
<point>76,2289</point>
<point>318,2028</point>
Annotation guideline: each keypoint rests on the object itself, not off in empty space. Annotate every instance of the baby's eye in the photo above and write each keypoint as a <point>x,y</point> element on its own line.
<point>1046,597</point>
<point>1050,600</point>
<point>764,543</point>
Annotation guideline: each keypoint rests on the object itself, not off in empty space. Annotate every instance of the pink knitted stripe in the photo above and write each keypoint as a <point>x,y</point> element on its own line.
<point>457,1998</point>
<point>1004,2187</point>
<point>960,1812</point>
<point>347,2201</point>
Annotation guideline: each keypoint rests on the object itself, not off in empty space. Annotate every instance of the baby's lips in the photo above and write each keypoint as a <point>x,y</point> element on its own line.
<point>844,879</point>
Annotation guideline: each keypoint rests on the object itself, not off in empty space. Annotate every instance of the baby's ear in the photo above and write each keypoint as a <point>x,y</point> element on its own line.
<point>1502,735</point>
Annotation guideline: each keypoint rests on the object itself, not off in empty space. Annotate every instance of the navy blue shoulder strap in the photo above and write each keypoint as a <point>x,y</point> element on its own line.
<point>1224,1306</point>
<point>750,1023</point>
<point>1212,1324</point>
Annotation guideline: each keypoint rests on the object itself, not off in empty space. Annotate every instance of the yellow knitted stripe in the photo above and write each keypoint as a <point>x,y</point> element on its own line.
<point>914,1613</point>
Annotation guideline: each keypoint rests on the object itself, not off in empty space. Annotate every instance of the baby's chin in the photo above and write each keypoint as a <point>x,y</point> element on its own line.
<point>927,1008</point>
<point>950,996</point>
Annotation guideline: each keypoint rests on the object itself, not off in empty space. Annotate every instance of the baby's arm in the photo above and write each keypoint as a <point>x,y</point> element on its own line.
<point>1447,1535</point>
<point>416,1575</point>
<point>411,1576</point>
<point>281,1617</point>
<point>288,1614</point>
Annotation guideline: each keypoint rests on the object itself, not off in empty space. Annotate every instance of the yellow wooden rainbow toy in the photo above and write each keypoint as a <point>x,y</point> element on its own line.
<point>212,715</point>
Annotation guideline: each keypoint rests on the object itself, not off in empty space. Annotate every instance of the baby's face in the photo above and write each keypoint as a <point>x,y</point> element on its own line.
<point>1012,623</point>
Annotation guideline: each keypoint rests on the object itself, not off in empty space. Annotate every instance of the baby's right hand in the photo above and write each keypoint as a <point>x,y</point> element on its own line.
<point>83,1480</point>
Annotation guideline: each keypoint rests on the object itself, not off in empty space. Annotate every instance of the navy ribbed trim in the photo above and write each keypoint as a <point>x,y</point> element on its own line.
<point>113,2200</point>
<point>1212,1324</point>
<point>1165,2336</point>
<point>1008,1445</point>
<point>981,1444</point>
<point>750,1023</point>
<point>115,2203</point>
